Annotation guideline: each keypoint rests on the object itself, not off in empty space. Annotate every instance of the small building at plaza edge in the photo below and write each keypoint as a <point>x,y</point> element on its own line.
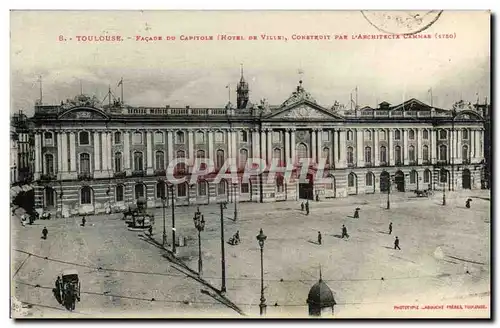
<point>94,158</point>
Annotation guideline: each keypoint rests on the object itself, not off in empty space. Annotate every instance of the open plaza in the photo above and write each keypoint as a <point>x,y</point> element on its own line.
<point>443,266</point>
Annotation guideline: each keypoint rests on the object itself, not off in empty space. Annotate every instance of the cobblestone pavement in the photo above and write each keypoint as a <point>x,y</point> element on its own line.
<point>439,245</point>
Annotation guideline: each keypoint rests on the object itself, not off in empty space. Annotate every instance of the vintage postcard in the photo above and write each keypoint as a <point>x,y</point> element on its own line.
<point>250,164</point>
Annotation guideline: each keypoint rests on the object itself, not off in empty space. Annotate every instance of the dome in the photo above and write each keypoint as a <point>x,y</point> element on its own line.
<point>321,295</point>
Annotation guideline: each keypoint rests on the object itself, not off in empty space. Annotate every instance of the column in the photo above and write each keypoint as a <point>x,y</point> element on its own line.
<point>110,152</point>
<point>320,144</point>
<point>211,145</point>
<point>59,153</point>
<point>390,149</point>
<point>257,141</point>
<point>292,145</point>
<point>287,146</point>
<point>376,152</point>
<point>313,145</point>
<point>64,149</point>
<point>170,145</point>
<point>405,147</point>
<point>104,150</point>
<point>481,143</point>
<point>254,144</point>
<point>234,145</point>
<point>269,145</point>
<point>342,149</point>
<point>360,160</point>
<point>419,146</point>
<point>190,153</point>
<point>263,142</point>
<point>126,151</point>
<point>433,138</point>
<point>72,150</point>
<point>38,153</point>
<point>97,157</point>
<point>229,144</point>
<point>149,153</point>
<point>478,145</point>
<point>459,147</point>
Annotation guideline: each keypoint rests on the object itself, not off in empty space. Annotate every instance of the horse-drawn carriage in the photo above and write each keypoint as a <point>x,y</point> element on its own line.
<point>137,216</point>
<point>68,289</point>
<point>423,193</point>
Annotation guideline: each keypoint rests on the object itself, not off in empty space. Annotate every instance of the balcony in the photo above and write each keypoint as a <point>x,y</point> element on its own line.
<point>398,163</point>
<point>120,174</point>
<point>138,173</point>
<point>160,172</point>
<point>414,162</point>
<point>466,161</point>
<point>441,162</point>
<point>48,177</point>
<point>351,165</point>
<point>425,162</point>
<point>84,176</point>
<point>383,163</point>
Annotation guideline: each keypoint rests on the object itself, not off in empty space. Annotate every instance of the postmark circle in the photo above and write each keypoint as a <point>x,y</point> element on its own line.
<point>402,22</point>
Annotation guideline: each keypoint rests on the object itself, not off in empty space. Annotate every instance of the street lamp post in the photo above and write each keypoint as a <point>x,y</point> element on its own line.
<point>173,219</point>
<point>164,240</point>
<point>262,238</point>
<point>223,259</point>
<point>235,202</point>
<point>444,193</point>
<point>200,226</point>
<point>389,193</point>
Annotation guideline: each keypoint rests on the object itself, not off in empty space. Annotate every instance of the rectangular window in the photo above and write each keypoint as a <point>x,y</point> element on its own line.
<point>276,136</point>
<point>181,190</point>
<point>245,188</point>
<point>326,136</point>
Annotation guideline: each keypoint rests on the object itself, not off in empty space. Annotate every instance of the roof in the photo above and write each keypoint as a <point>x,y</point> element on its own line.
<point>321,295</point>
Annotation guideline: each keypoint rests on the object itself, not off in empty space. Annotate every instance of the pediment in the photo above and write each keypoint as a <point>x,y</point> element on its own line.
<point>83,113</point>
<point>468,115</point>
<point>304,111</point>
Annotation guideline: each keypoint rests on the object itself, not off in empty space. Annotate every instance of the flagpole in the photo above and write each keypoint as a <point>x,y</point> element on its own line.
<point>41,93</point>
<point>122,89</point>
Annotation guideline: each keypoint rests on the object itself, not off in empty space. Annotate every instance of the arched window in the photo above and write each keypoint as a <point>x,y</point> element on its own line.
<point>182,190</point>
<point>277,153</point>
<point>137,138</point>
<point>350,135</point>
<point>49,197</point>
<point>383,154</point>
<point>160,190</point>
<point>220,158</point>
<point>221,187</point>
<point>425,134</point>
<point>368,155</point>
<point>465,134</point>
<point>243,136</point>
<point>200,154</point>
<point>465,153</point>
<point>425,153</point>
<point>118,138</point>
<point>202,188</point>
<point>179,137</point>
<point>326,155</point>
<point>280,186</point>
<point>350,155</point>
<point>49,140</point>
<point>411,134</point>
<point>84,163</point>
<point>181,165</point>
<point>119,193</point>
<point>49,164</point>
<point>301,151</point>
<point>351,178</point>
<point>397,135</point>
<point>200,137</point>
<point>160,160</point>
<point>118,162</point>
<point>443,152</point>
<point>330,184</point>
<point>397,154</point>
<point>243,157</point>
<point>84,138</point>
<point>139,191</point>
<point>159,137</point>
<point>138,163</point>
<point>443,134</point>
<point>85,195</point>
<point>443,176</point>
<point>413,176</point>
<point>219,136</point>
<point>427,176</point>
<point>411,153</point>
<point>369,179</point>
<point>368,135</point>
<point>383,135</point>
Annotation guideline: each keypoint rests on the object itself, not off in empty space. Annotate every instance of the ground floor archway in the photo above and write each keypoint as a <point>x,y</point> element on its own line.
<point>466,179</point>
<point>306,188</point>
<point>384,181</point>
<point>399,180</point>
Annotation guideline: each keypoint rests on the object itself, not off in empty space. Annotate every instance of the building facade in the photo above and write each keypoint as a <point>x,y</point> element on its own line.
<point>22,150</point>
<point>91,158</point>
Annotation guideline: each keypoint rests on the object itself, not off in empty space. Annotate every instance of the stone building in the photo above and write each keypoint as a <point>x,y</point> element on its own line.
<point>91,158</point>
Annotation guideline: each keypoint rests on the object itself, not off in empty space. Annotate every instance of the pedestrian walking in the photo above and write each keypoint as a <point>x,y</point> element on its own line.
<point>307,208</point>
<point>45,232</point>
<point>467,202</point>
<point>396,243</point>
<point>317,197</point>
<point>319,237</point>
<point>302,206</point>
<point>344,232</point>
<point>390,228</point>
<point>84,220</point>
<point>150,230</point>
<point>356,213</point>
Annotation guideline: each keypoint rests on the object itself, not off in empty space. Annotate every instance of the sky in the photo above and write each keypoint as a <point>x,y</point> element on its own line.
<point>196,73</point>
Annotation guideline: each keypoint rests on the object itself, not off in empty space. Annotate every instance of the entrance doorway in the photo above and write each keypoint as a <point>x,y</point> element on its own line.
<point>384,181</point>
<point>306,189</point>
<point>399,180</point>
<point>466,179</point>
